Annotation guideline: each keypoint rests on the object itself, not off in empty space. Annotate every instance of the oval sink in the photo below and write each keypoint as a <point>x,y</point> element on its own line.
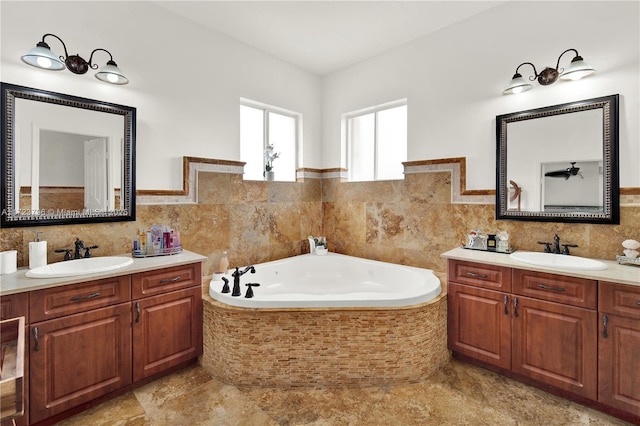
<point>559,261</point>
<point>75,267</point>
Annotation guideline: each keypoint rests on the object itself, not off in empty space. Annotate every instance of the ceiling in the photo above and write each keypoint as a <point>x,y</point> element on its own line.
<point>325,36</point>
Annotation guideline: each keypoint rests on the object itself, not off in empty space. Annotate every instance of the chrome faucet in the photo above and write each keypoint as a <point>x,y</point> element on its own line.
<point>236,279</point>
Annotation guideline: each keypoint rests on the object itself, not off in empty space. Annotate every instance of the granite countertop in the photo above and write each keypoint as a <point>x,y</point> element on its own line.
<point>18,282</point>
<point>623,274</point>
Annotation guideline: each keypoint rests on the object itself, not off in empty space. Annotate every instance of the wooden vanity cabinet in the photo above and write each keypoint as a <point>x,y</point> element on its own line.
<point>537,325</point>
<point>167,327</point>
<point>479,321</point>
<point>80,344</point>
<point>554,335</point>
<point>95,339</point>
<point>619,346</point>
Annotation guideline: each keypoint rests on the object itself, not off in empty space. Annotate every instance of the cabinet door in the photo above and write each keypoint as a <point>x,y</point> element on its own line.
<point>78,358</point>
<point>556,344</point>
<point>167,331</point>
<point>619,358</point>
<point>480,324</point>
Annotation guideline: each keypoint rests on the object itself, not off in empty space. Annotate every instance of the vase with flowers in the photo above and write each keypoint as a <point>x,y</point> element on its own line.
<point>269,156</point>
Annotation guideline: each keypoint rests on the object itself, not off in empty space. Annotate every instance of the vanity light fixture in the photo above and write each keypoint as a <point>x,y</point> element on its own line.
<point>577,70</point>
<point>41,56</point>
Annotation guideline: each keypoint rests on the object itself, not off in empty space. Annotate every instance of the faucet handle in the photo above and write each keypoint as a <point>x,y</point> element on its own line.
<point>547,246</point>
<point>249,294</point>
<point>67,253</point>
<point>225,287</point>
<point>87,250</point>
<point>566,248</point>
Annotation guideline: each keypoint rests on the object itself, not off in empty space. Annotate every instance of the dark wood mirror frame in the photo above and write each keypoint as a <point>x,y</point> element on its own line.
<point>10,217</point>
<point>611,190</point>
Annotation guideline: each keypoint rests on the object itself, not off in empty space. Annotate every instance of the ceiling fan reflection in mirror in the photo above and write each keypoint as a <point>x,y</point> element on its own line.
<point>566,173</point>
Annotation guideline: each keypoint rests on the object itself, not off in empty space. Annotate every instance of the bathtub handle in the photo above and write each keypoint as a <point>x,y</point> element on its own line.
<point>506,305</point>
<point>476,275</point>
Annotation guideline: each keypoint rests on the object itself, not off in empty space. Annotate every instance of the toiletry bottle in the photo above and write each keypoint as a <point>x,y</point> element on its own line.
<point>143,241</point>
<point>223,266</point>
<point>37,252</point>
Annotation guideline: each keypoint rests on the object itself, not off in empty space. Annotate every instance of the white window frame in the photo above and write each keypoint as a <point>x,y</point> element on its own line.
<point>266,109</point>
<point>346,120</point>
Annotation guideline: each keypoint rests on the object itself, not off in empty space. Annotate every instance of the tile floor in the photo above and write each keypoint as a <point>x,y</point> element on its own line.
<point>459,394</point>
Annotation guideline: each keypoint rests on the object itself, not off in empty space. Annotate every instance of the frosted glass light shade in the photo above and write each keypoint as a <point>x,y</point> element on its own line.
<point>517,85</point>
<point>577,70</point>
<point>42,57</point>
<point>110,73</point>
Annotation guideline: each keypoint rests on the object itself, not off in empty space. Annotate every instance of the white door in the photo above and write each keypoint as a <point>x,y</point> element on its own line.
<point>96,174</point>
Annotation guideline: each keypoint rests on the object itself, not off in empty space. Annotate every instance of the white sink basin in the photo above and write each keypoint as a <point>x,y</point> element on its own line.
<point>75,267</point>
<point>559,261</point>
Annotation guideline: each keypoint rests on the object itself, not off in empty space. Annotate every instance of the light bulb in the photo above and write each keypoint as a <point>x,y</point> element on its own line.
<point>43,62</point>
<point>112,78</point>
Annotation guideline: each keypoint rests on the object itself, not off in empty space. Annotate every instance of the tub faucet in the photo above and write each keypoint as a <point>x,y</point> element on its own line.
<point>236,278</point>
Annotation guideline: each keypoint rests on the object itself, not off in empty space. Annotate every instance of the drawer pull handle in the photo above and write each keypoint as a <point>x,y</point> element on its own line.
<point>605,321</point>
<point>81,298</point>
<point>137,312</point>
<point>476,275</point>
<point>515,307</point>
<point>170,280</point>
<point>506,305</point>
<point>35,338</point>
<point>546,287</point>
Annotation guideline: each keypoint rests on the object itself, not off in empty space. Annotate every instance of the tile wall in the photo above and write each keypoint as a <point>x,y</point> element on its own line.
<point>411,222</point>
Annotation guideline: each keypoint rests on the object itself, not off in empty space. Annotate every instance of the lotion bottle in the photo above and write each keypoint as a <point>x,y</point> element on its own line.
<point>37,252</point>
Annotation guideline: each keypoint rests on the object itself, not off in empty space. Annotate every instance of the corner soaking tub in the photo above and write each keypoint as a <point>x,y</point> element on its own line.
<point>327,321</point>
<point>331,280</point>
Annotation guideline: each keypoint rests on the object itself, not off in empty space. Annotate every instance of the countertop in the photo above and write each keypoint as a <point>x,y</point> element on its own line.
<point>18,282</point>
<point>623,274</point>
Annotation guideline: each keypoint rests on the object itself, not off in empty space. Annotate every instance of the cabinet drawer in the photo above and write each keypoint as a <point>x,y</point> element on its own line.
<point>620,299</point>
<point>480,275</point>
<point>574,291</point>
<point>14,305</point>
<point>161,281</point>
<point>74,298</point>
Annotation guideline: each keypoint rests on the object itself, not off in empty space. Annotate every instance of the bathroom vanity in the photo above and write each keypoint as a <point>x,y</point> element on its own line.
<point>92,337</point>
<point>573,333</point>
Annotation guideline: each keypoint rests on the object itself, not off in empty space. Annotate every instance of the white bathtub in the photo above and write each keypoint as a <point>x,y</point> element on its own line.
<point>331,280</point>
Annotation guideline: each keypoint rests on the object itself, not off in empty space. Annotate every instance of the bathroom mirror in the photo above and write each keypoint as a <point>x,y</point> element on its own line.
<point>559,163</point>
<point>65,159</point>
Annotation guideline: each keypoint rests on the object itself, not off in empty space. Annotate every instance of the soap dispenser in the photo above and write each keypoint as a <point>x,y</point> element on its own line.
<point>37,252</point>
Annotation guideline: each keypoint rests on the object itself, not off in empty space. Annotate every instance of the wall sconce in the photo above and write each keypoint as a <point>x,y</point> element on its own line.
<point>578,69</point>
<point>41,56</point>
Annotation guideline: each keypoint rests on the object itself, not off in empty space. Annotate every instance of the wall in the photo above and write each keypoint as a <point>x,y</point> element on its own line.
<point>185,81</point>
<point>453,80</point>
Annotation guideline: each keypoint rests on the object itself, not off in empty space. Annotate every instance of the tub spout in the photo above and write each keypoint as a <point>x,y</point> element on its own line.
<point>236,278</point>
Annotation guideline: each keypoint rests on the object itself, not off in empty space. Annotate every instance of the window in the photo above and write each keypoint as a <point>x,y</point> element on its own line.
<point>263,125</point>
<point>377,142</point>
